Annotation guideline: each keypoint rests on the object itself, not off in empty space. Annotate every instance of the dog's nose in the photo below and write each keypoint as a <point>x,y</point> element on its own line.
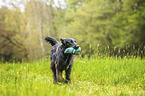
<point>77,46</point>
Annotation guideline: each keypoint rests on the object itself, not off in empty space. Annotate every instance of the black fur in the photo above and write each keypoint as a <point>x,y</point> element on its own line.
<point>59,60</point>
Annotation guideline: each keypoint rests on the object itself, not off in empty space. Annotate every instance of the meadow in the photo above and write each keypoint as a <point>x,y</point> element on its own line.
<point>90,77</point>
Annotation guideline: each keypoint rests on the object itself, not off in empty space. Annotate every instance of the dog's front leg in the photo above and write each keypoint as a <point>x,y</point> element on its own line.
<point>67,74</point>
<point>54,73</point>
<point>54,76</point>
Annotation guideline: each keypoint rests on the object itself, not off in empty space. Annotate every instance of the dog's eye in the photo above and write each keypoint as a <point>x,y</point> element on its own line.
<point>74,41</point>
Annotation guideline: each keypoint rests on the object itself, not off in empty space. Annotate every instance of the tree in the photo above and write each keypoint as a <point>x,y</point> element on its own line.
<point>114,23</point>
<point>11,45</point>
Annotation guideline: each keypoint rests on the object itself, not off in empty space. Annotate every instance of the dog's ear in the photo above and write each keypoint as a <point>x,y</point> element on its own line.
<point>63,40</point>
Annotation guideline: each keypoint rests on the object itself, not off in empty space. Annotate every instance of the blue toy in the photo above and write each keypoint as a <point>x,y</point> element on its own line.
<point>72,50</point>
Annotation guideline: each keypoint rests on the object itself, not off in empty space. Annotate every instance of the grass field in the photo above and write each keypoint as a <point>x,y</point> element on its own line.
<point>90,77</point>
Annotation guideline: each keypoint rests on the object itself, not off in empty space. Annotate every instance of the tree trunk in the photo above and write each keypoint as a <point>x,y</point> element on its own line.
<point>40,36</point>
<point>38,19</point>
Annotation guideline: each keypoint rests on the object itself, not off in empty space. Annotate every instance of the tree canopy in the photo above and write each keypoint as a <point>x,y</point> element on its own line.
<point>114,24</point>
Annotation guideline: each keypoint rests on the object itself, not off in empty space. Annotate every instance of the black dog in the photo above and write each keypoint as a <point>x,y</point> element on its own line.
<point>59,60</point>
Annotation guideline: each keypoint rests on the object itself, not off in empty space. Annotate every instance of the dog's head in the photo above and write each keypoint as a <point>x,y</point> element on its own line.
<point>69,42</point>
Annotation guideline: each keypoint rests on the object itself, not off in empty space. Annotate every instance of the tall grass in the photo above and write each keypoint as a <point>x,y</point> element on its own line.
<point>96,76</point>
<point>130,51</point>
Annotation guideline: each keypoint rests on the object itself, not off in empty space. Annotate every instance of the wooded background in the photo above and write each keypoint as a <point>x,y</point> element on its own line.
<point>116,26</point>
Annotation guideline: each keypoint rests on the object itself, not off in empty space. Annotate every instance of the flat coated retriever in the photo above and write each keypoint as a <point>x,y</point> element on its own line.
<point>59,60</point>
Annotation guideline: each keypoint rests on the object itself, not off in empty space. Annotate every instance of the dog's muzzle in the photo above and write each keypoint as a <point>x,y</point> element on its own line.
<point>76,46</point>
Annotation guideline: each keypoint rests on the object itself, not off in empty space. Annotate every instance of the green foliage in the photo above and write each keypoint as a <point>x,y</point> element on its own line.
<point>98,76</point>
<point>104,23</point>
<point>107,23</point>
<point>11,34</point>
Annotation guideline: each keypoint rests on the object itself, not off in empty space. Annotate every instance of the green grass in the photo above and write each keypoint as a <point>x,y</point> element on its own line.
<point>98,76</point>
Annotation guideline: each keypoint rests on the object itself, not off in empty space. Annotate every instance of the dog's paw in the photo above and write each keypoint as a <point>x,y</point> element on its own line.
<point>67,81</point>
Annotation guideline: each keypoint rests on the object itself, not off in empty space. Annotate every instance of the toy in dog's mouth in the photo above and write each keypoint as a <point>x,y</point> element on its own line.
<point>72,50</point>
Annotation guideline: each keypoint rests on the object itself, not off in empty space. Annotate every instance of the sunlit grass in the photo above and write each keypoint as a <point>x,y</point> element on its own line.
<point>97,76</point>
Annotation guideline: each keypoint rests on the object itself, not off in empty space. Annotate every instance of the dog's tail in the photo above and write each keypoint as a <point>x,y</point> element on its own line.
<point>51,40</point>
